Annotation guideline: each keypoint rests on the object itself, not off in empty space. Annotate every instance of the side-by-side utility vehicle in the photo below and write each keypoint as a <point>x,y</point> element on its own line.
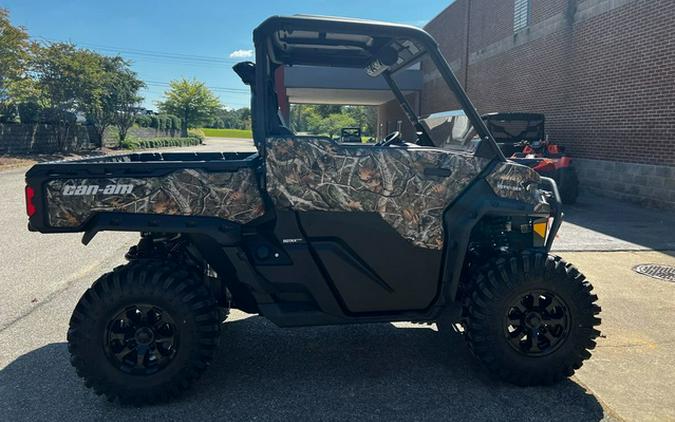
<point>311,231</point>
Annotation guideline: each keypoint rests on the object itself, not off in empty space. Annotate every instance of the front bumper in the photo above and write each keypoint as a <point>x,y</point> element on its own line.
<point>556,209</point>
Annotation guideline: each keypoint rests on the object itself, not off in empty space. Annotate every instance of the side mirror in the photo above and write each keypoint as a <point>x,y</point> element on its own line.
<point>246,71</point>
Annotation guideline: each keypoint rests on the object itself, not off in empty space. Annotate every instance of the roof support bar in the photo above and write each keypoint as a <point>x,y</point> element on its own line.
<point>424,138</point>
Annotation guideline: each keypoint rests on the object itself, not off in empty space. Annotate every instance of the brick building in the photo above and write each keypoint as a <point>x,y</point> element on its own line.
<point>603,72</point>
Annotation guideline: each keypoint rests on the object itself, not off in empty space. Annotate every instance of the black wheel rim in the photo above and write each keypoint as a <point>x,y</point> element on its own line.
<point>141,339</point>
<point>537,323</point>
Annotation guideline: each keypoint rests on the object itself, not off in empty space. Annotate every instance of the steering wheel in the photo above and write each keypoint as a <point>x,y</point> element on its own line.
<point>393,138</point>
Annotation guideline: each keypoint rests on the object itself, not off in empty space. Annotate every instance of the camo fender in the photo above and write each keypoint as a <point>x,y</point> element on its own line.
<point>516,181</point>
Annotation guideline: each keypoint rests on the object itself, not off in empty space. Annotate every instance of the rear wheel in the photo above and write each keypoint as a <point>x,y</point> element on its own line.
<point>144,332</point>
<point>530,319</point>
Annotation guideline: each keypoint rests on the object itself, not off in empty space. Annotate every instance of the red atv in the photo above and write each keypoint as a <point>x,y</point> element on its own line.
<point>522,137</point>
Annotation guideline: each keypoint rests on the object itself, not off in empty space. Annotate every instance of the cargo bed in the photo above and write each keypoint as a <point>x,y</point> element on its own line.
<point>144,188</point>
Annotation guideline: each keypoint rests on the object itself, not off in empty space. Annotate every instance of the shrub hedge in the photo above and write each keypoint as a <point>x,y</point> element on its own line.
<point>137,143</point>
<point>199,133</point>
<point>159,122</point>
<point>143,121</point>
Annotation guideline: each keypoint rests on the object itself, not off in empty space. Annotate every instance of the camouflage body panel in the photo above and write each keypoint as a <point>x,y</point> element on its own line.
<point>232,196</point>
<point>310,174</point>
<point>516,181</point>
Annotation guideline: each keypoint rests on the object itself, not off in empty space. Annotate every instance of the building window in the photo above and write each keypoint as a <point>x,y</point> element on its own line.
<point>521,14</point>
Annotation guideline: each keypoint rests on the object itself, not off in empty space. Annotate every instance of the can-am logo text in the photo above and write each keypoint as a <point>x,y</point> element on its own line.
<point>512,187</point>
<point>79,190</point>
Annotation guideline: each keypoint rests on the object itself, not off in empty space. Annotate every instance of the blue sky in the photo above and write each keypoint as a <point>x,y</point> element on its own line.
<point>172,39</point>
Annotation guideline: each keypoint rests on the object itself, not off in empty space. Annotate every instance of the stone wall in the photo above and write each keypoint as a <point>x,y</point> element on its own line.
<point>43,139</point>
<point>643,184</point>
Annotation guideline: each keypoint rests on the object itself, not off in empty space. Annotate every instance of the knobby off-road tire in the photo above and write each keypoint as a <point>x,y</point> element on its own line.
<point>530,318</point>
<point>144,332</point>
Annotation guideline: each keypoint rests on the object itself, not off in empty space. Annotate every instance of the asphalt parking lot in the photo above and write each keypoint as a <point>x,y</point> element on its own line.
<point>598,224</point>
<point>369,372</point>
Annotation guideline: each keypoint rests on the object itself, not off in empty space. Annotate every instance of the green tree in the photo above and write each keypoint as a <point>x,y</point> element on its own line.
<point>71,80</point>
<point>235,118</point>
<point>333,124</point>
<point>111,97</point>
<point>330,119</point>
<point>192,101</point>
<point>326,110</point>
<point>298,117</point>
<point>216,122</point>
<point>97,100</point>
<point>124,99</point>
<point>364,116</point>
<point>27,96</point>
<point>14,61</point>
<point>245,118</point>
<point>63,76</point>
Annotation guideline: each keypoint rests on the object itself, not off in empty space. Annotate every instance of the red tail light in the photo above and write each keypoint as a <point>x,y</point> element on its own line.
<point>30,206</point>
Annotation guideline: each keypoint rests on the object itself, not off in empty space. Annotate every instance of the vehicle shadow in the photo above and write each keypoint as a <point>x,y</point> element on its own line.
<point>367,372</point>
<point>617,225</point>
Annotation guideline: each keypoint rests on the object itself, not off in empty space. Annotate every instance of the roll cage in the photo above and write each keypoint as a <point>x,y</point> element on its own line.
<point>352,43</point>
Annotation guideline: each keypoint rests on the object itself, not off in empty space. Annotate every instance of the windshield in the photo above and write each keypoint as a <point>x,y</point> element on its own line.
<point>434,110</point>
<point>451,129</point>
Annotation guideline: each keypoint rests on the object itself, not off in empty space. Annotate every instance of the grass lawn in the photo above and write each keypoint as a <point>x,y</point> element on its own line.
<point>228,133</point>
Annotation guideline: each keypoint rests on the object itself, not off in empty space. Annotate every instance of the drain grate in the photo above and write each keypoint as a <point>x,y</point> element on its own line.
<point>662,272</point>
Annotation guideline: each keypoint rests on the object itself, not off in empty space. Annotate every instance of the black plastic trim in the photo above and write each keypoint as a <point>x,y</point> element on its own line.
<point>478,201</point>
<point>224,232</point>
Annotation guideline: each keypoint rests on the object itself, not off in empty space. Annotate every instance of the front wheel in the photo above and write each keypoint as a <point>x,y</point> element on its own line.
<point>144,332</point>
<point>530,318</point>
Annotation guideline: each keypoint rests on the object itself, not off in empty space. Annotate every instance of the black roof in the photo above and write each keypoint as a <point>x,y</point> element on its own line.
<point>332,41</point>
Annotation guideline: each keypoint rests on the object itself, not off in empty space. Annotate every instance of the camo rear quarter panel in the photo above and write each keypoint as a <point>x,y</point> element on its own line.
<point>321,175</point>
<point>233,196</point>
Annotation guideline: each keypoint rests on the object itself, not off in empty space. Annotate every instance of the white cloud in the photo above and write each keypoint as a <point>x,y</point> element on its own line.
<point>241,54</point>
